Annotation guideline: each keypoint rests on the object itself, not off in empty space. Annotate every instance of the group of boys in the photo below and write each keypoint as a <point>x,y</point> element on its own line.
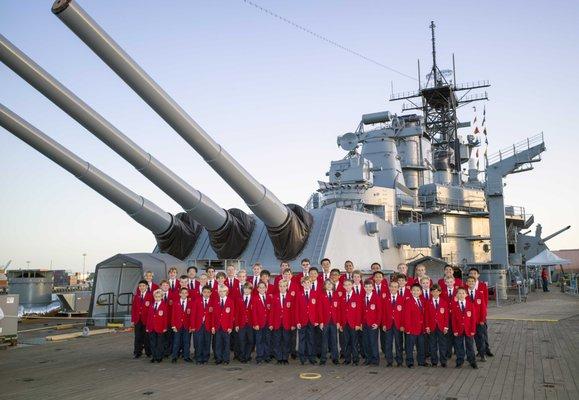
<point>312,314</point>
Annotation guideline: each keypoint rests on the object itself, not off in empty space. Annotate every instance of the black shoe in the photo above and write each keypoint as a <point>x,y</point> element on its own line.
<point>398,364</point>
<point>389,364</point>
<point>322,363</point>
<point>279,362</point>
<point>153,360</point>
<point>443,365</point>
<point>302,362</point>
<point>336,362</point>
<point>347,362</point>
<point>174,361</point>
<point>294,356</point>
<point>312,362</point>
<point>411,366</point>
<point>267,360</point>
<point>188,360</point>
<point>217,362</point>
<point>433,365</point>
<point>137,356</point>
<point>355,363</point>
<point>458,365</point>
<point>473,365</point>
<point>160,360</point>
<point>483,359</point>
<point>258,362</point>
<point>490,354</point>
<point>226,362</point>
<point>366,362</point>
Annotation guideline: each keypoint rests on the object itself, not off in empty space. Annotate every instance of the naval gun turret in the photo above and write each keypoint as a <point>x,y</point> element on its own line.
<point>175,235</point>
<point>288,226</point>
<point>229,230</point>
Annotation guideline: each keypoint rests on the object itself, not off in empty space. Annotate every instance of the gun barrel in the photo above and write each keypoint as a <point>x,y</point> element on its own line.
<point>140,209</point>
<point>201,208</point>
<point>260,200</point>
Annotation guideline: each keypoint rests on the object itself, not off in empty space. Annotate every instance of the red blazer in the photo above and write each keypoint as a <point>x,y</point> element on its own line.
<point>251,279</point>
<point>157,320</point>
<point>297,279</point>
<point>282,317</point>
<point>437,318</point>
<point>244,314</point>
<point>361,291</point>
<point>415,280</point>
<point>482,286</point>
<point>344,276</point>
<point>464,322</point>
<point>407,292</point>
<point>328,311</point>
<point>339,288</point>
<point>384,287</point>
<point>423,296</point>
<point>224,316</point>
<point>169,300</point>
<point>442,283</point>
<point>176,288</point>
<point>371,312</point>
<point>392,314</point>
<point>306,312</point>
<point>413,317</point>
<point>321,278</point>
<point>260,312</point>
<point>410,280</point>
<point>140,308</point>
<point>182,319</point>
<point>235,283</point>
<point>479,304</point>
<point>202,315</point>
<point>444,294</point>
<point>351,311</point>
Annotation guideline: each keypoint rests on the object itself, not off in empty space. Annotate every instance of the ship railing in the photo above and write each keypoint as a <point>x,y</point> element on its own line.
<point>472,85</point>
<point>515,211</point>
<point>438,202</point>
<point>515,148</point>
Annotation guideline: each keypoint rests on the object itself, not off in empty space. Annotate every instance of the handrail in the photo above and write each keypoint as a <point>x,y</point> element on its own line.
<point>516,148</point>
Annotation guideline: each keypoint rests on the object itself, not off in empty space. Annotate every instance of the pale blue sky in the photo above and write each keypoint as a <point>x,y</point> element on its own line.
<point>276,99</point>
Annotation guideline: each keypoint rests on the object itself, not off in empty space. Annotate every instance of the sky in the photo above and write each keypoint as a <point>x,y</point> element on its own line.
<point>276,98</point>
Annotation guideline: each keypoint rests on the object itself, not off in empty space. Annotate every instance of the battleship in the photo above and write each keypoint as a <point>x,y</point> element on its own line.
<point>411,188</point>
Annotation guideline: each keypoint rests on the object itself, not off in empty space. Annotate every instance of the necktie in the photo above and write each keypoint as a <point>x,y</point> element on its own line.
<point>357,290</point>
<point>263,300</point>
<point>156,306</point>
<point>367,300</point>
<point>400,292</point>
<point>426,295</point>
<point>307,296</point>
<point>142,297</point>
<point>378,289</point>
<point>222,303</point>
<point>449,292</point>
<point>246,301</point>
<point>461,306</point>
<point>330,295</point>
<point>472,295</point>
<point>282,300</point>
<point>436,304</point>
<point>347,298</point>
<point>393,300</point>
<point>419,304</point>
<point>183,305</point>
<point>204,303</point>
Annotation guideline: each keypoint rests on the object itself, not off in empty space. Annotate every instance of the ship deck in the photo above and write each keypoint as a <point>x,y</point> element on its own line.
<point>535,344</point>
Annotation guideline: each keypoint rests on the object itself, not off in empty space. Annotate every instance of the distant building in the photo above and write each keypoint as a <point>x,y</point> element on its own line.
<point>571,255</point>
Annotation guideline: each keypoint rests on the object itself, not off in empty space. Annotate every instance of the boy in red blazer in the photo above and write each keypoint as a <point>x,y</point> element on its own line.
<point>403,286</point>
<point>173,281</point>
<point>413,327</point>
<point>281,323</point>
<point>157,326</point>
<point>202,324</point>
<point>181,317</point>
<point>448,272</point>
<point>382,291</point>
<point>306,319</point>
<point>464,328</point>
<point>350,322</point>
<point>260,314</point>
<point>139,313</point>
<point>476,297</point>
<point>448,293</point>
<point>244,324</point>
<point>437,323</point>
<point>371,322</point>
<point>480,285</point>
<point>391,323</point>
<point>222,326</point>
<point>329,319</point>
<point>168,297</point>
<point>231,281</point>
<point>349,271</point>
<point>193,284</point>
<point>151,286</point>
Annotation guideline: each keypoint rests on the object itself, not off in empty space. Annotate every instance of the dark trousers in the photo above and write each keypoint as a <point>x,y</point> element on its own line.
<point>462,343</point>
<point>479,339</point>
<point>182,344</point>
<point>141,340</point>
<point>341,342</point>
<point>168,342</point>
<point>281,339</point>
<point>486,338</point>
<point>418,341</point>
<point>235,344</point>
<point>245,339</point>
<point>382,337</point>
<point>306,343</point>
<point>371,344</point>
<point>350,344</point>
<point>294,343</point>
<point>360,341</point>
<point>450,342</point>
<point>157,345</point>
<point>222,345</point>
<point>262,344</point>
<point>545,285</point>
<point>329,342</point>
<point>437,343</point>
<point>317,342</point>
<point>393,337</point>
<point>202,344</point>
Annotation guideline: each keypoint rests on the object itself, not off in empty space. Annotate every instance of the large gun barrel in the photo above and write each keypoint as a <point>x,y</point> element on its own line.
<point>229,231</point>
<point>288,226</point>
<point>174,235</point>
